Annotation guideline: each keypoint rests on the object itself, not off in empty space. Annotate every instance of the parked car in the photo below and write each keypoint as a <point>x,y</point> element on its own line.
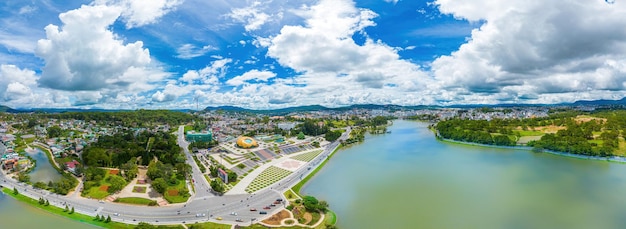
<point>252,209</point>
<point>263,212</point>
<point>233,213</point>
<point>279,199</point>
<point>266,207</point>
<point>238,220</point>
<point>272,205</point>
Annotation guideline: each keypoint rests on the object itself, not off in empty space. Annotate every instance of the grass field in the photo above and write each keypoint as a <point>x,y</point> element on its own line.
<point>307,156</point>
<point>268,177</point>
<point>175,194</point>
<point>208,225</point>
<point>524,133</point>
<point>137,201</point>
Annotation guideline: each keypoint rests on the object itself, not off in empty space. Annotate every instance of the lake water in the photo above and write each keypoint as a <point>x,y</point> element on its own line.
<point>14,214</point>
<point>44,171</point>
<point>408,179</point>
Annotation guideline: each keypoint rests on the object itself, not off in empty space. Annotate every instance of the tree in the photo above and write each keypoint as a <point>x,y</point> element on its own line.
<point>54,132</point>
<point>159,185</point>
<point>232,176</point>
<point>72,211</point>
<point>217,186</point>
<point>15,192</point>
<point>300,136</point>
<point>40,185</point>
<point>108,219</point>
<point>144,225</point>
<point>47,203</point>
<point>66,209</point>
<point>117,183</point>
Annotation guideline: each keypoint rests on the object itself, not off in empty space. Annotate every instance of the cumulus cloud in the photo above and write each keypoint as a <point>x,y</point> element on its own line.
<point>252,75</point>
<point>324,46</point>
<point>536,50</point>
<point>84,54</point>
<point>15,82</point>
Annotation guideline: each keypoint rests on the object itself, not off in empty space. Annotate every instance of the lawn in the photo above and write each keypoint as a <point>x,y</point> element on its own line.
<point>173,194</point>
<point>529,133</point>
<point>268,177</point>
<point>136,200</point>
<point>139,189</point>
<point>307,156</point>
<point>100,192</point>
<point>208,225</point>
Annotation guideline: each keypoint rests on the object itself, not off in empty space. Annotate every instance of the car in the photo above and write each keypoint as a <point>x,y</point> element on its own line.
<point>116,214</point>
<point>263,212</point>
<point>277,202</point>
<point>272,205</point>
<point>219,218</point>
<point>252,209</point>
<point>233,213</point>
<point>266,207</point>
<point>238,220</point>
<point>279,199</point>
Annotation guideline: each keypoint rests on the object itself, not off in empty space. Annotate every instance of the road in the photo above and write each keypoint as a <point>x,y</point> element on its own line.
<point>202,206</point>
<point>202,186</point>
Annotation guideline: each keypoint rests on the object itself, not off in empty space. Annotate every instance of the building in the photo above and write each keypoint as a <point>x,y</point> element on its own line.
<point>71,166</point>
<point>222,174</point>
<point>204,136</point>
<point>246,142</point>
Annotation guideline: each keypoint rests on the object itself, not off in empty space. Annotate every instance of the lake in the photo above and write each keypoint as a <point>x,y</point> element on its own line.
<point>408,179</point>
<point>14,214</point>
<point>44,171</point>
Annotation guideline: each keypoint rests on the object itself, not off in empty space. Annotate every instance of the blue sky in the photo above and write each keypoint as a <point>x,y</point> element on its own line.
<point>270,54</point>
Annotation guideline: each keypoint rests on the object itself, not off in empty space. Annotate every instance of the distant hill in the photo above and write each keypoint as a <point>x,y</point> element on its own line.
<point>6,109</point>
<point>601,102</point>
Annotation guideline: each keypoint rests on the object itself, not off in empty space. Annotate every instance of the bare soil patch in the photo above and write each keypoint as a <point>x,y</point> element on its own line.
<point>172,192</point>
<point>104,188</point>
<point>307,218</point>
<point>277,218</point>
<point>114,172</point>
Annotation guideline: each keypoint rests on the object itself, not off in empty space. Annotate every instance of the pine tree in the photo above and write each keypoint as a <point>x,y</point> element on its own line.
<point>97,218</point>
<point>108,219</point>
<point>66,209</point>
<point>72,211</point>
<point>15,192</point>
<point>47,203</point>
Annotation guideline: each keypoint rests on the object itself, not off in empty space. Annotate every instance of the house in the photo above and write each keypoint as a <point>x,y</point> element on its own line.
<point>71,166</point>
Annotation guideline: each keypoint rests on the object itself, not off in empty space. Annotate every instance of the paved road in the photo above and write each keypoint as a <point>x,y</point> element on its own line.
<point>202,187</point>
<point>201,207</point>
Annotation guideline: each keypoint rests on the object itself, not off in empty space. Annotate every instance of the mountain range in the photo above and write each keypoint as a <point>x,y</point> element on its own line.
<point>287,110</point>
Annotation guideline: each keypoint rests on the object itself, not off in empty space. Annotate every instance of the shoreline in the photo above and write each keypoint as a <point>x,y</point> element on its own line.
<point>615,159</point>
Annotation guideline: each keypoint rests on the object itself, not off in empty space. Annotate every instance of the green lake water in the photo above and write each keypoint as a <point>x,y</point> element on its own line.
<point>14,214</point>
<point>408,179</point>
<point>44,171</point>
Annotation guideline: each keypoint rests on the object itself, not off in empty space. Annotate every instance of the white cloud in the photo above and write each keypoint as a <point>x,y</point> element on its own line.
<point>392,1</point>
<point>209,74</point>
<point>15,82</point>
<point>252,16</point>
<point>537,50</point>
<point>137,13</point>
<point>324,46</point>
<point>27,9</point>
<point>252,75</point>
<point>189,51</point>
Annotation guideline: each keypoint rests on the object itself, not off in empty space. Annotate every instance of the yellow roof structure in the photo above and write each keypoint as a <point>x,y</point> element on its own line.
<point>246,142</point>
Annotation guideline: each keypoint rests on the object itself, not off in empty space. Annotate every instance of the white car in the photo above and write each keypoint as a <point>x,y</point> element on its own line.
<point>233,213</point>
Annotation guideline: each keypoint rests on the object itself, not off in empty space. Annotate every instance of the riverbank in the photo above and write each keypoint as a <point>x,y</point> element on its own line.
<point>527,148</point>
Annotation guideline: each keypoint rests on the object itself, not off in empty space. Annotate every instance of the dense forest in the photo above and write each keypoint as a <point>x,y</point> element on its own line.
<point>115,150</point>
<point>596,133</point>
